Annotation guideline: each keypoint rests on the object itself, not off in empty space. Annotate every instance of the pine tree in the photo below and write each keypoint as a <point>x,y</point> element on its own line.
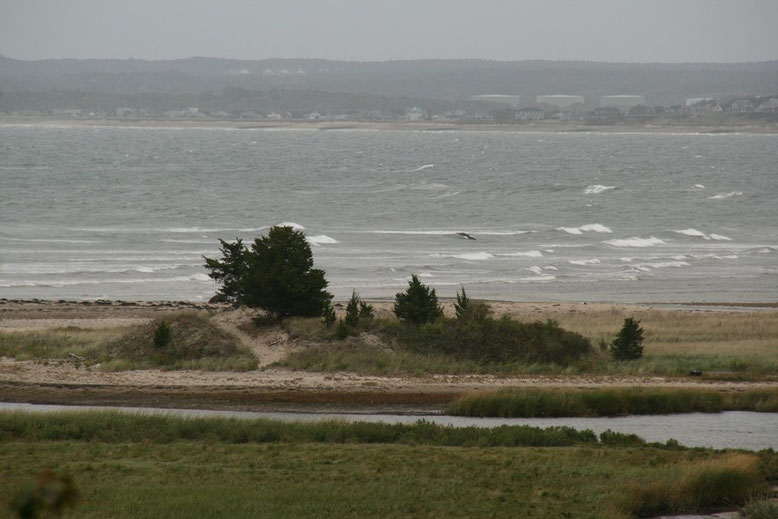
<point>460,307</point>
<point>628,344</point>
<point>418,304</point>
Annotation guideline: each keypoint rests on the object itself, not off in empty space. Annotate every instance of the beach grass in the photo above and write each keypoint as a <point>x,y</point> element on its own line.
<point>143,466</point>
<point>557,402</point>
<point>720,345</point>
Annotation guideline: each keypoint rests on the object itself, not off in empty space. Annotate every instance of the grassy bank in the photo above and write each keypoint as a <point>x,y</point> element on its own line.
<point>610,402</point>
<point>130,466</point>
<point>192,341</point>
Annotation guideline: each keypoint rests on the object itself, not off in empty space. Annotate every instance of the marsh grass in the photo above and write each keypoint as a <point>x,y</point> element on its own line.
<point>143,466</point>
<point>124,427</point>
<point>534,402</point>
<point>760,509</point>
<point>703,485</point>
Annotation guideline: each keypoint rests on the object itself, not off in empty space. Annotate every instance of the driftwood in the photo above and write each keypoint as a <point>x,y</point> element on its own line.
<point>82,359</point>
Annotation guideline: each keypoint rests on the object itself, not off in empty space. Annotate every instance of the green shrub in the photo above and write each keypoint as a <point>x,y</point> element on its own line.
<point>628,344</point>
<point>460,307</point>
<point>328,313</point>
<point>357,310</point>
<point>162,334</point>
<point>418,304</point>
<point>343,330</point>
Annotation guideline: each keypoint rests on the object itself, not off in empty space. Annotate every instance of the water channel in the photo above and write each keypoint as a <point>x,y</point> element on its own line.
<point>727,430</point>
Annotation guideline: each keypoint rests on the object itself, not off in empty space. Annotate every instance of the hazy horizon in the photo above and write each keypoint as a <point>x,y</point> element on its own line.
<point>605,31</point>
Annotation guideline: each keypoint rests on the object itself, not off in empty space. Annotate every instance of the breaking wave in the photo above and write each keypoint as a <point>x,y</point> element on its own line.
<point>528,254</point>
<point>597,189</point>
<point>699,234</point>
<point>635,242</point>
<point>724,196</point>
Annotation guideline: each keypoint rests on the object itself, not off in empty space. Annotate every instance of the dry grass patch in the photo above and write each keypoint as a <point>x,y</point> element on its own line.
<point>193,342</point>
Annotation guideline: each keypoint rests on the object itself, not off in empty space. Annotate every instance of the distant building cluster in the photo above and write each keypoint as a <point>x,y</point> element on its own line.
<point>482,108</point>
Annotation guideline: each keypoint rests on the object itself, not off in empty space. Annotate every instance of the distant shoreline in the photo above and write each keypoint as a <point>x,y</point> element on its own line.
<point>431,126</point>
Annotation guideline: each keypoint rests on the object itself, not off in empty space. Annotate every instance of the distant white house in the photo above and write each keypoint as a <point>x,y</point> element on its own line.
<point>530,114</point>
<point>414,114</point>
<point>314,116</point>
<point>769,106</point>
<point>691,101</point>
<point>273,116</point>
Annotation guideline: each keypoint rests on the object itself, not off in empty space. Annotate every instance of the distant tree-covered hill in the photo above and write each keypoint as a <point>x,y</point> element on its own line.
<point>445,80</point>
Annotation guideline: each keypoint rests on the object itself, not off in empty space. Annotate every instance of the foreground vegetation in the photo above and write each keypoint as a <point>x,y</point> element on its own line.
<point>136,466</point>
<point>532,402</point>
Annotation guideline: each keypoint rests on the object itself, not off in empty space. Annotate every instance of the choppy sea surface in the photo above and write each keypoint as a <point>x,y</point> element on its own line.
<point>128,213</point>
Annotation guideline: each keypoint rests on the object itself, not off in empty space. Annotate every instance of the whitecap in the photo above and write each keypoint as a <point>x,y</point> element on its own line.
<point>422,168</point>
<point>597,189</point>
<point>720,237</point>
<point>528,254</point>
<point>321,239</point>
<point>635,242</point>
<point>724,196</point>
<point>693,232</point>
<point>473,256</point>
<point>541,278</point>
<point>697,187</point>
<point>593,261</point>
<point>590,227</point>
<point>663,264</point>
<point>294,226</point>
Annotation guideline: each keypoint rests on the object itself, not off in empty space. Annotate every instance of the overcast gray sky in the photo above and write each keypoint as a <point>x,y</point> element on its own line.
<point>366,30</point>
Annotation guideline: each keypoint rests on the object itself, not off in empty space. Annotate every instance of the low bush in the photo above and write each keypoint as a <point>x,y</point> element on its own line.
<point>489,340</point>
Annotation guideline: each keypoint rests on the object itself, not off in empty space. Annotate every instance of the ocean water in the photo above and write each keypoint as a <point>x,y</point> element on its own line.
<point>128,213</point>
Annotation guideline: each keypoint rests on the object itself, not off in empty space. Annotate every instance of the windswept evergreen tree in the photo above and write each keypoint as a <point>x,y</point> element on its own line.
<point>275,274</point>
<point>228,270</point>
